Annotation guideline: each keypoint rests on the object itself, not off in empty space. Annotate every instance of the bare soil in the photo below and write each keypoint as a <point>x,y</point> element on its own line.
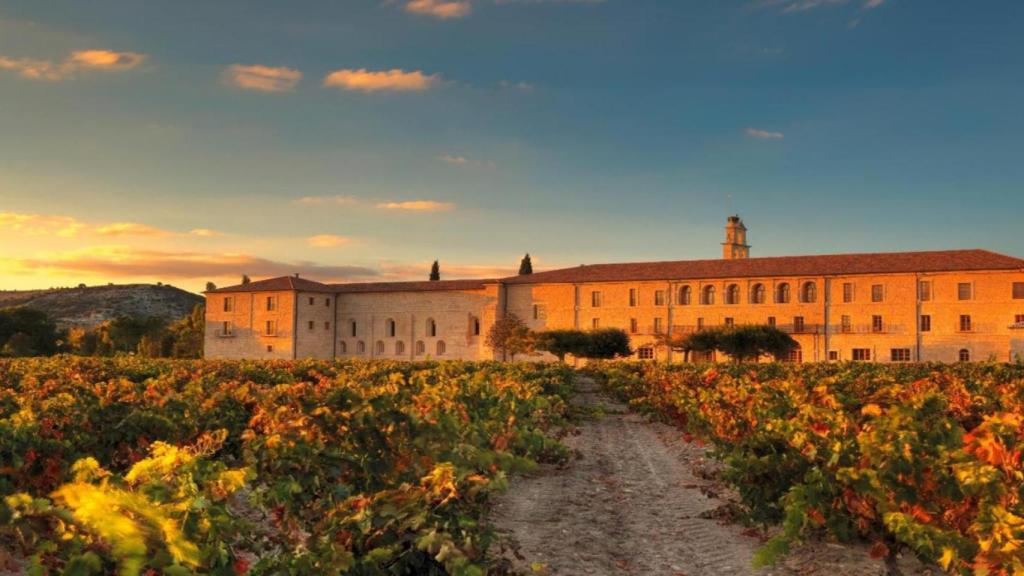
<point>636,500</point>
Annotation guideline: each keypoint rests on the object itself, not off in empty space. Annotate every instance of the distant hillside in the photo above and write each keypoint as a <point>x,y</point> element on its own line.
<point>92,305</point>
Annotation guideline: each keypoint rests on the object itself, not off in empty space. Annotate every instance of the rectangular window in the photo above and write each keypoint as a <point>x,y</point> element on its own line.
<point>700,323</point>
<point>924,291</point>
<point>271,303</point>
<point>877,292</point>
<point>634,326</point>
<point>876,324</point>
<point>353,328</point>
<point>645,353</point>
<point>312,301</point>
<point>311,324</point>
<point>845,325</point>
<point>964,291</point>
<point>327,302</point>
<point>926,323</point>
<point>659,297</point>
<point>270,347</point>
<point>327,325</point>
<point>862,354</point>
<point>900,354</point>
<point>965,323</point>
<point>229,304</point>
<point>632,297</point>
<point>536,312</point>
<point>847,291</point>
<point>226,329</point>
<point>595,323</point>
<point>798,324</point>
<point>595,299</point>
<point>771,321</point>
<point>271,328</point>
<point>1018,319</point>
<point>833,355</point>
<point>1018,290</point>
<point>730,322</point>
<point>658,325</point>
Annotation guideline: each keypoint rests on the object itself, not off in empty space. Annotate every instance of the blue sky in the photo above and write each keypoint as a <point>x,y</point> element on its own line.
<point>352,139</point>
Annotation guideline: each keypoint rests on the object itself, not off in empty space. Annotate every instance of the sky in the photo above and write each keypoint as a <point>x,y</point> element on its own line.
<point>359,140</point>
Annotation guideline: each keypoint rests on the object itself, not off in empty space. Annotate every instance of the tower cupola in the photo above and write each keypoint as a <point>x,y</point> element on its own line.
<point>735,246</point>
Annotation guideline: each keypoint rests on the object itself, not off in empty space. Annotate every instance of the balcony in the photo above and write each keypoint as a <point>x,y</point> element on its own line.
<point>868,329</point>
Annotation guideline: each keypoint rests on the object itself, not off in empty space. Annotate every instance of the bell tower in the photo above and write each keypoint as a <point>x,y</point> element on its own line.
<point>735,246</point>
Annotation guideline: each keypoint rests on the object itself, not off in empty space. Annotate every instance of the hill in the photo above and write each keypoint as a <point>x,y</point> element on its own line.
<point>92,305</point>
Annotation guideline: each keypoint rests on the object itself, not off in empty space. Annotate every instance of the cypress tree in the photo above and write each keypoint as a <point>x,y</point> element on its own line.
<point>435,272</point>
<point>526,266</point>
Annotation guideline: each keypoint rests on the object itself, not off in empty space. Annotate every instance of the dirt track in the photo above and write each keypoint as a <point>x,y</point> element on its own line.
<point>632,504</point>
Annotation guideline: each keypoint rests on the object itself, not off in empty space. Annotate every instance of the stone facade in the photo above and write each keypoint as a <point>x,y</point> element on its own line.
<point>944,306</point>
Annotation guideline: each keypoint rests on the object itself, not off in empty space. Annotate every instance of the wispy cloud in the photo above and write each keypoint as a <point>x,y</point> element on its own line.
<point>459,160</point>
<point>396,80</point>
<point>128,262</point>
<point>337,200</point>
<point>28,225</point>
<point>417,206</point>
<point>764,134</point>
<point>443,9</point>
<point>81,60</point>
<point>327,241</point>
<point>262,78</point>
<point>869,4</point>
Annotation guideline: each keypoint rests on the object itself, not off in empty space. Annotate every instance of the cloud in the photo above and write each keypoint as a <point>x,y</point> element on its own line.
<point>517,86</point>
<point>338,200</point>
<point>396,80</point>
<point>68,227</point>
<point>327,241</point>
<point>804,5</point>
<point>418,206</point>
<point>78,61</point>
<point>869,4</point>
<point>452,159</point>
<point>262,78</point>
<point>128,262</point>
<point>764,134</point>
<point>443,9</point>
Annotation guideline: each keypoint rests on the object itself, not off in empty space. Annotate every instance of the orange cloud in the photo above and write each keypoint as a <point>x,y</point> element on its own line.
<point>263,78</point>
<point>327,241</point>
<point>131,229</point>
<point>418,206</point>
<point>339,200</point>
<point>67,227</point>
<point>396,80</point>
<point>77,61</point>
<point>443,9</point>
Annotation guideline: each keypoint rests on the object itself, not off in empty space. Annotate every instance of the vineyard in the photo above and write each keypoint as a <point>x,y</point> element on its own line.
<point>177,467</point>
<point>926,457</point>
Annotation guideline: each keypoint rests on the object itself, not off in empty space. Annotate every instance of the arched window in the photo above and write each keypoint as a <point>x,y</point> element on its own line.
<point>353,328</point>
<point>757,295</point>
<point>707,295</point>
<point>965,355</point>
<point>380,347</point>
<point>474,326</point>
<point>390,328</point>
<point>782,293</point>
<point>732,294</point>
<point>431,328</point>
<point>809,292</point>
<point>399,348</point>
<point>440,348</point>
<point>342,347</point>
<point>421,348</point>
<point>360,347</point>
<point>685,296</point>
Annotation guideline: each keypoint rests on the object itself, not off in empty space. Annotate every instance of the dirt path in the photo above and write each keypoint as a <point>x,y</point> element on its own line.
<point>631,504</point>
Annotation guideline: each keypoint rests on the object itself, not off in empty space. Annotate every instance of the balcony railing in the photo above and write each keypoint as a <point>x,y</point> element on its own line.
<point>868,329</point>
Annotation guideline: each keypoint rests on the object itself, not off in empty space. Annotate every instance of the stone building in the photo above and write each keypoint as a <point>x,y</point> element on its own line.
<point>958,305</point>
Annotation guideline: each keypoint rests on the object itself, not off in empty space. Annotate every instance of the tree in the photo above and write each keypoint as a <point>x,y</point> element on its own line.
<point>435,271</point>
<point>562,343</point>
<point>510,336</point>
<point>188,334</point>
<point>526,265</point>
<point>210,286</point>
<point>607,344</point>
<point>245,279</point>
<point>36,333</point>
<point>741,343</point>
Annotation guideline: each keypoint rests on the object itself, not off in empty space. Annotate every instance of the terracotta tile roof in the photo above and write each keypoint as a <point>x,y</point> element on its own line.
<point>279,284</point>
<point>892,262</point>
<point>411,286</point>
